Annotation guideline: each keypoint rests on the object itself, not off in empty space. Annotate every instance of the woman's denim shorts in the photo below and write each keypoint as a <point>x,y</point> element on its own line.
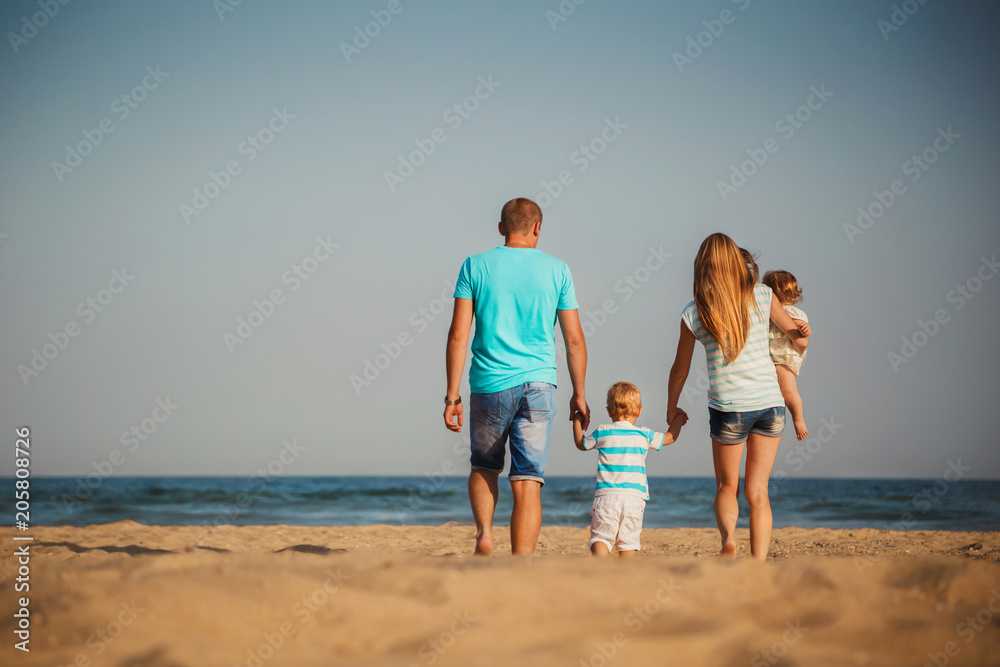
<point>732,428</point>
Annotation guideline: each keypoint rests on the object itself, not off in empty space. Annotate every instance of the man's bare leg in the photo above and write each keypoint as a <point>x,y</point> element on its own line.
<point>790,392</point>
<point>483,493</point>
<point>526,519</point>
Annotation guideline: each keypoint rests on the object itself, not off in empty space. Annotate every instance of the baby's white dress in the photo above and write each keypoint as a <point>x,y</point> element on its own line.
<point>782,349</point>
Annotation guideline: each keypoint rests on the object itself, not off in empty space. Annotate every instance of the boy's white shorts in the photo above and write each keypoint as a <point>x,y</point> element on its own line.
<point>616,520</point>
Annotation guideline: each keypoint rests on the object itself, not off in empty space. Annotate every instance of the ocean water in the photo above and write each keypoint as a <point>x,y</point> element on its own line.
<point>896,504</point>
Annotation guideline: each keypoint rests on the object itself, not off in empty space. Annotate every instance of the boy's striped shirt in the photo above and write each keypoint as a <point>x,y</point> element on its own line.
<point>621,463</point>
<point>750,381</point>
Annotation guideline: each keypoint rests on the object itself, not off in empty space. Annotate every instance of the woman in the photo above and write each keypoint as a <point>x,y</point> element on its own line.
<point>729,315</point>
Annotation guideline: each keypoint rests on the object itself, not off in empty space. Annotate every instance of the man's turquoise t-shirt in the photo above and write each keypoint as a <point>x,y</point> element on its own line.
<point>515,294</point>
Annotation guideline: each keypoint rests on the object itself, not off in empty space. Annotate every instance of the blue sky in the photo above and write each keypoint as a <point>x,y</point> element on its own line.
<point>271,81</point>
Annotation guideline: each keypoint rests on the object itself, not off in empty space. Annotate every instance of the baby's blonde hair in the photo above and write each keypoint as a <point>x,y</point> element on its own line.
<point>624,400</point>
<point>784,285</point>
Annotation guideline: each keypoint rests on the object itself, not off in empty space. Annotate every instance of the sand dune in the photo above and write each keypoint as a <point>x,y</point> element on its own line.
<point>128,594</point>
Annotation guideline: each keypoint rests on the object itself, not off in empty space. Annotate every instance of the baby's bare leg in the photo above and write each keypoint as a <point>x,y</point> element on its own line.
<point>790,392</point>
<point>599,549</point>
<point>628,553</point>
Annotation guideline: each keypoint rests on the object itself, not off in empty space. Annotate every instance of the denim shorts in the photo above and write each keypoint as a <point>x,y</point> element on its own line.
<point>522,414</point>
<point>732,428</point>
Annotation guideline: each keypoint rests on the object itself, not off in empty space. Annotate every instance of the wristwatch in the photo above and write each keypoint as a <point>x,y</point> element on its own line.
<point>455,402</point>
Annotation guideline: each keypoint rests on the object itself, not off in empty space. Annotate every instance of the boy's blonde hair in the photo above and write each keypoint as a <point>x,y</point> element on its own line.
<point>624,400</point>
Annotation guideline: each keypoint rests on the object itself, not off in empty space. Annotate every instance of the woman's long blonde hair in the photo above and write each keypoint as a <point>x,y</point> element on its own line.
<point>724,278</point>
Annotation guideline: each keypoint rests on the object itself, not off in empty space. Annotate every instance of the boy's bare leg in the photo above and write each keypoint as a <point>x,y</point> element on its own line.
<point>483,492</point>
<point>790,392</point>
<point>727,483</point>
<point>599,549</point>
<point>627,553</point>
<point>761,451</point>
<point>526,519</point>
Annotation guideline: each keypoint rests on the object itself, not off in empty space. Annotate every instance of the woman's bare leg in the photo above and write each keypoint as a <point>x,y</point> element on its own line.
<point>727,484</point>
<point>760,459</point>
<point>790,392</point>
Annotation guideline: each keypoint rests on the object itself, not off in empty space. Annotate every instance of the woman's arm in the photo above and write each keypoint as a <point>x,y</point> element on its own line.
<point>679,370</point>
<point>785,323</point>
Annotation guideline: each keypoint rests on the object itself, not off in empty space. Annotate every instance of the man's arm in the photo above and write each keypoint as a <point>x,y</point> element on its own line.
<point>458,343</point>
<point>576,359</point>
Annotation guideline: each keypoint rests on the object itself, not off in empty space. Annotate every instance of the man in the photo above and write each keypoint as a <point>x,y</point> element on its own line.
<point>516,293</point>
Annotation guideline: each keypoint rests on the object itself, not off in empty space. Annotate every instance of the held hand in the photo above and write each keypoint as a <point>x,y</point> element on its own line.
<point>450,412</point>
<point>578,405</point>
<point>672,414</point>
<point>681,415</point>
<point>805,329</point>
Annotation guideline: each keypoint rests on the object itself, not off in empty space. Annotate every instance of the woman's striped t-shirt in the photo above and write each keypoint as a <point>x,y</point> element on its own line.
<point>750,381</point>
<point>621,461</point>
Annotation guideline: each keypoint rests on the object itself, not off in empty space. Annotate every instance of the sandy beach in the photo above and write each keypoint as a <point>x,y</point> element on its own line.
<point>130,594</point>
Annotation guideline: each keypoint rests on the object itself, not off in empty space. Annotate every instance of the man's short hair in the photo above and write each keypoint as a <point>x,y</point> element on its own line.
<point>623,400</point>
<point>520,215</point>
